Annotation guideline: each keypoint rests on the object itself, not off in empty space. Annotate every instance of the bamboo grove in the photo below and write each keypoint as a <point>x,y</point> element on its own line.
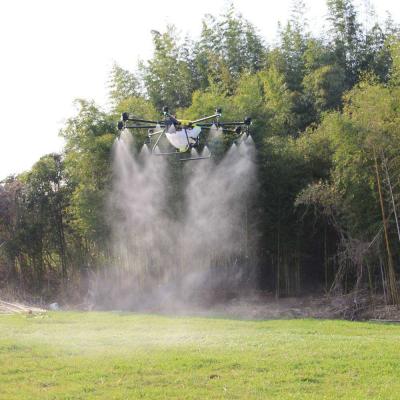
<point>326,112</point>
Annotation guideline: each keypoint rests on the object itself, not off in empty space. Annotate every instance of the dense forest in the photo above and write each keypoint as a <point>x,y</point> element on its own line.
<point>326,112</point>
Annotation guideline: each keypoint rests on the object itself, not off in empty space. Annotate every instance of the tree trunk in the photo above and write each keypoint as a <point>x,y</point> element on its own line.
<point>389,183</point>
<point>391,276</point>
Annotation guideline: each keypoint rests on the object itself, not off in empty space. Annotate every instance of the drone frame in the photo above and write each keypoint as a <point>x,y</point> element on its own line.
<point>160,129</point>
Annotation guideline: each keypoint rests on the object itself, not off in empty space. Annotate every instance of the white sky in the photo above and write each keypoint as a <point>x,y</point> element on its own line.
<point>53,51</point>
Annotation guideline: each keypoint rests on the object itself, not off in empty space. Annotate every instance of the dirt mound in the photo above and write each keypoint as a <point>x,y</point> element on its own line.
<point>13,308</point>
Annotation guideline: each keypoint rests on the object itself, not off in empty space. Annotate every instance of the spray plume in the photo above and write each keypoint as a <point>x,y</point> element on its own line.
<point>175,250</point>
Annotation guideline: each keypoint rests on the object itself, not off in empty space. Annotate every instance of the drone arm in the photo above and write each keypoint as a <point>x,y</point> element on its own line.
<point>232,123</point>
<point>144,121</point>
<point>142,126</point>
<point>129,117</point>
<point>220,127</point>
<point>247,122</point>
<point>150,134</point>
<point>206,118</point>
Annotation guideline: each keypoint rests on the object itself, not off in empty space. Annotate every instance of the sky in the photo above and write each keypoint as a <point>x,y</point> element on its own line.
<point>54,51</point>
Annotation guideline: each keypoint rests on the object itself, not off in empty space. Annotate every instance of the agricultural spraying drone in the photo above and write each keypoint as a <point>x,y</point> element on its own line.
<point>183,135</point>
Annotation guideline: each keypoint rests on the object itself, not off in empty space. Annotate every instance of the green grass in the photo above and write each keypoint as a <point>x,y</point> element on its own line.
<point>128,356</point>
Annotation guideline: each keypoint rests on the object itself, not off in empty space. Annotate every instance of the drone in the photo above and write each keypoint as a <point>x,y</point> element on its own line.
<point>184,135</point>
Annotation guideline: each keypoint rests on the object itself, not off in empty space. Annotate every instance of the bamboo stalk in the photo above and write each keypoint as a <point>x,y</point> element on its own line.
<point>394,295</point>
<point>391,193</point>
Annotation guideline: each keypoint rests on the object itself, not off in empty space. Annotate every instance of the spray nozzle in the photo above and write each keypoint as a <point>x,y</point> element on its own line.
<point>247,121</point>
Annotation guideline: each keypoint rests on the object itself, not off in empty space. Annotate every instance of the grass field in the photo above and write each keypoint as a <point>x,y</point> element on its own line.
<point>70,355</point>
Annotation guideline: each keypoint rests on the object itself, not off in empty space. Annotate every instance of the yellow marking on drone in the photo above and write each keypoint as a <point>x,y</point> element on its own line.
<point>185,122</point>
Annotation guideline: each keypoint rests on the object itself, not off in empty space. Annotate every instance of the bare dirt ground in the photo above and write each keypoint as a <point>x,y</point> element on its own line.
<point>254,307</point>
<point>270,308</point>
<point>260,306</point>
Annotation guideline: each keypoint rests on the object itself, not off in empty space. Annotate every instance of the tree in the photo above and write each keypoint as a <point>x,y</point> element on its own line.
<point>395,68</point>
<point>326,129</point>
<point>10,192</point>
<point>293,44</point>
<point>278,103</point>
<point>325,86</point>
<point>167,76</point>
<point>32,210</point>
<point>354,197</point>
<point>345,35</point>
<point>122,85</point>
<point>89,137</point>
<point>375,54</point>
<point>228,46</point>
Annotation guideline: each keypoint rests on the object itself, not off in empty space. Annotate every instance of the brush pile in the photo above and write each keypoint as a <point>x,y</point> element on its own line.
<point>18,308</point>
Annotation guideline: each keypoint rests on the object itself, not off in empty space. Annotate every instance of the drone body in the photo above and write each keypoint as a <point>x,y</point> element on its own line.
<point>183,135</point>
<point>183,139</point>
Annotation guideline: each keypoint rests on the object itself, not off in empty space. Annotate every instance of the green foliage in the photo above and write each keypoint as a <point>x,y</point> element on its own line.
<point>249,100</point>
<point>228,46</point>
<point>89,137</point>
<point>375,53</point>
<point>316,55</point>
<point>33,219</point>
<point>325,122</point>
<point>346,36</point>
<point>278,102</point>
<point>123,85</point>
<point>167,76</point>
<point>395,56</point>
<point>361,139</point>
<point>293,45</point>
<point>325,86</point>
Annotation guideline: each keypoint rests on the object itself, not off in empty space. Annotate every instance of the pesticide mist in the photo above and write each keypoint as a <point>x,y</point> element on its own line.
<point>181,233</point>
